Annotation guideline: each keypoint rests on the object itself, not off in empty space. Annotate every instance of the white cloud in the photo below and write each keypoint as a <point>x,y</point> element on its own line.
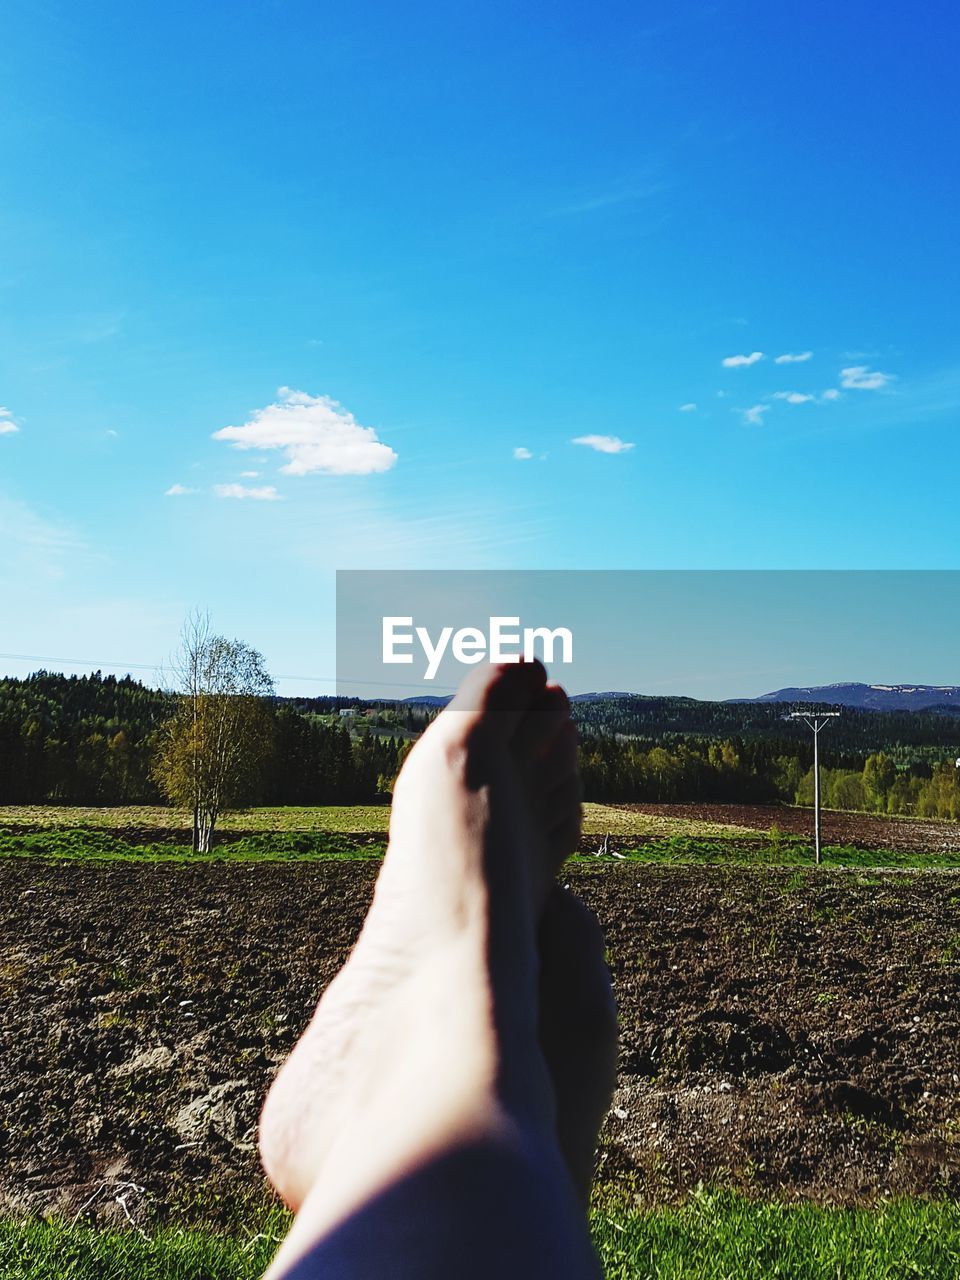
<point>7,425</point>
<point>177,491</point>
<point>249,475</point>
<point>266,493</point>
<point>860,378</point>
<point>831,394</point>
<point>688,408</point>
<point>521,454</point>
<point>790,358</point>
<point>111,434</point>
<point>316,434</point>
<point>753,417</point>
<point>738,362</point>
<point>793,397</point>
<point>603,444</point>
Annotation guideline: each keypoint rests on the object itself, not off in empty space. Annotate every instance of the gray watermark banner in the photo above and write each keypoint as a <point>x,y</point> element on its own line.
<point>704,634</point>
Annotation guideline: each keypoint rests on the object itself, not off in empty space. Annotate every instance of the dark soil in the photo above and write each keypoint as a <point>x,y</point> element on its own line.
<point>787,1031</point>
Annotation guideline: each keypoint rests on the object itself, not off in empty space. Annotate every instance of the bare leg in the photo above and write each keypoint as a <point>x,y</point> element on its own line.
<point>421,1092</point>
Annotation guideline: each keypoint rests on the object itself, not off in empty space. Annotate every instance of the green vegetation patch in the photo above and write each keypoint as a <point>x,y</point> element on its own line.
<point>684,851</point>
<point>87,844</point>
<point>93,844</point>
<point>712,1236</point>
<point>41,1250</point>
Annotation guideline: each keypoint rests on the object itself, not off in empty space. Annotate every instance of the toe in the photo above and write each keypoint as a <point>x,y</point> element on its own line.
<point>539,727</point>
<point>499,697</point>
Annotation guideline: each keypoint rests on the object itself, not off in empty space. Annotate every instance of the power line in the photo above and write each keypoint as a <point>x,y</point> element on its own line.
<point>82,662</point>
<point>97,664</point>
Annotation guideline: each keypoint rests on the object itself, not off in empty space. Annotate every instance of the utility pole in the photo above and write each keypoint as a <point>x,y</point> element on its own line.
<point>815,720</point>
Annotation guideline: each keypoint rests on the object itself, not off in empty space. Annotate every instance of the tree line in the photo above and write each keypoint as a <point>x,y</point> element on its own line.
<point>100,740</point>
<point>750,771</point>
<point>95,740</point>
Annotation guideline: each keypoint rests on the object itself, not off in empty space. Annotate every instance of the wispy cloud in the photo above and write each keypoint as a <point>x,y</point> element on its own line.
<point>521,454</point>
<point>34,547</point>
<point>603,444</point>
<point>789,357</point>
<point>793,397</point>
<point>831,394</point>
<point>739,362</point>
<point>609,199</point>
<point>265,493</point>
<point>316,435</point>
<point>97,327</point>
<point>7,425</point>
<point>688,408</point>
<point>859,377</point>
<point>249,475</point>
<point>753,417</point>
<point>177,491</point>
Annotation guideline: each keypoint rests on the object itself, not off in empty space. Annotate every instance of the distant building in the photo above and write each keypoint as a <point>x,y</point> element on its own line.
<point>346,711</point>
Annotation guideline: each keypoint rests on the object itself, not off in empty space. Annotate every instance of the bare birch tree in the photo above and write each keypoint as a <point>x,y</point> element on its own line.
<point>214,747</point>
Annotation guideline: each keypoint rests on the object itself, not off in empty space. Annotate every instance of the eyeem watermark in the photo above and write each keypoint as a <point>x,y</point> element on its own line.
<point>503,641</point>
<point>413,635</point>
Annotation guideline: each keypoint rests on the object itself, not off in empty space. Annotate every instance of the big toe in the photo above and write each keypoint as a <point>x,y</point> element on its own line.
<point>498,697</point>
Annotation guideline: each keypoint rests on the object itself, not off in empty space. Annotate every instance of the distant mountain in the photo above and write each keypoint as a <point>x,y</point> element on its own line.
<point>602,697</point>
<point>870,697</point>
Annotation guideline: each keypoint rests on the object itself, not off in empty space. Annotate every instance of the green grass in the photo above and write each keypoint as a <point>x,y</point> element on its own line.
<point>86,844</point>
<point>720,1236</point>
<point>713,1236</point>
<point>681,851</point>
<point>44,1250</point>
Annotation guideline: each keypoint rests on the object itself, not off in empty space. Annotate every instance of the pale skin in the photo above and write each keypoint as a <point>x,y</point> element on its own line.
<point>456,1071</point>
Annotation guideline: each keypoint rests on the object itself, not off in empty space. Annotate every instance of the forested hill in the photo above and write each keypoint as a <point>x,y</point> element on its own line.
<point>93,739</point>
<point>905,734</point>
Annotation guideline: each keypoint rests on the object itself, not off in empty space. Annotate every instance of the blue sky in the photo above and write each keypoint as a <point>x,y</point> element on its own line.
<point>452,233</point>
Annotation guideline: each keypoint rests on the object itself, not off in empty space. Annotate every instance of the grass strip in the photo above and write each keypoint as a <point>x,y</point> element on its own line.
<point>721,1236</point>
<point>712,1236</point>
<point>90,844</point>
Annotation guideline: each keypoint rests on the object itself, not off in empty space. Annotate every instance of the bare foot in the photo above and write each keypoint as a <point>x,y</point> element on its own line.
<point>486,809</point>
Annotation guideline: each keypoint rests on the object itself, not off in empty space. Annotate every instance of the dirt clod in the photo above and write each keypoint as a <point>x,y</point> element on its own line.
<point>778,1032</point>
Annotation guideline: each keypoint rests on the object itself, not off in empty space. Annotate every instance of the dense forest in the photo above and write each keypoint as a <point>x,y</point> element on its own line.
<point>92,740</point>
<point>745,771</point>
